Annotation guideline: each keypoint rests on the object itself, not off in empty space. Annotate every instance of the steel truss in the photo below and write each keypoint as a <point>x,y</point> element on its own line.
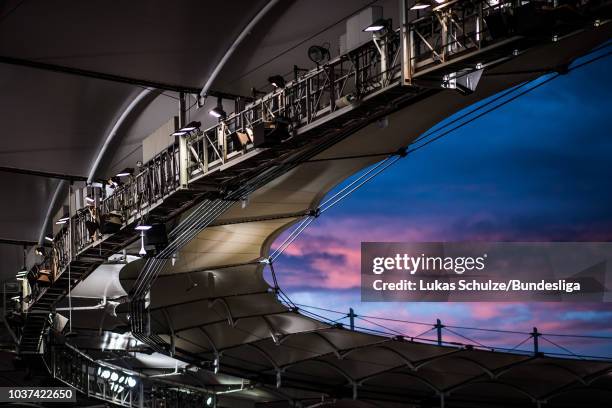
<point>76,369</point>
<point>429,51</point>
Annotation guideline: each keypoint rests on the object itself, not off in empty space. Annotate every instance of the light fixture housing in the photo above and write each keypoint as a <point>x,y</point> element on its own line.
<point>420,5</point>
<point>218,111</point>
<point>378,25</point>
<point>318,54</point>
<point>191,126</point>
<point>125,172</point>
<point>277,81</point>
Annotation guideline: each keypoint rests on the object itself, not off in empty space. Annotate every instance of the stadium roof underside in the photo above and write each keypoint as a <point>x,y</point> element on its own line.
<point>213,302</point>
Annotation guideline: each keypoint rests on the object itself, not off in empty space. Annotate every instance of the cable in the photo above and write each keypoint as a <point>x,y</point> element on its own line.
<point>561,347</point>
<point>521,343</point>
<point>11,11</point>
<point>464,337</point>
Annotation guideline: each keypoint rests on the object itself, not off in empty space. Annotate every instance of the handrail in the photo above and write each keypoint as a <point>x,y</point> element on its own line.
<point>447,31</point>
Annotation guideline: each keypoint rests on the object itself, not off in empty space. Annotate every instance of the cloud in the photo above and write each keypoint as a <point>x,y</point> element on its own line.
<point>534,170</point>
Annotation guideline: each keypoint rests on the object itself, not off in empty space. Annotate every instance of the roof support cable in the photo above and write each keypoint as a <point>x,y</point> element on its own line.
<point>562,348</point>
<point>377,165</point>
<point>292,237</point>
<point>282,246</point>
<point>387,163</point>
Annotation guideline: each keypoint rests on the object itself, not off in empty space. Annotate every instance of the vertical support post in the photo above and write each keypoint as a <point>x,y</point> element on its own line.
<point>439,327</point>
<point>141,392</point>
<point>444,34</point>
<point>479,25</point>
<point>183,149</point>
<point>222,140</point>
<point>308,104</point>
<point>352,318</point>
<point>535,334</point>
<point>205,151</point>
<point>406,44</point>
<point>332,88</point>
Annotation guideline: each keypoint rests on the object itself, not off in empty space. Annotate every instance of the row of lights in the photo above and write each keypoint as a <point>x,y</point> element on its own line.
<point>118,382</point>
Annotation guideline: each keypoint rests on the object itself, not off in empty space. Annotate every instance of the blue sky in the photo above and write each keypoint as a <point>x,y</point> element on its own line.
<point>537,169</point>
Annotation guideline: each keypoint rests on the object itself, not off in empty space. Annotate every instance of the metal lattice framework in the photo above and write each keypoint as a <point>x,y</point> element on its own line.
<point>318,109</point>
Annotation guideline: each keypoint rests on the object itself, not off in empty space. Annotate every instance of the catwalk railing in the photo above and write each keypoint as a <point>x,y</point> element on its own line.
<point>118,385</point>
<point>535,342</point>
<point>426,46</point>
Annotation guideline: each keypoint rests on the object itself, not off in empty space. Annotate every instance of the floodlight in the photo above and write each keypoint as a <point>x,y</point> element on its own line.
<point>277,81</point>
<point>114,376</point>
<point>131,382</point>
<point>318,54</point>
<point>191,126</point>
<point>378,25</point>
<point>218,111</point>
<point>209,401</point>
<point>125,172</point>
<point>420,5</point>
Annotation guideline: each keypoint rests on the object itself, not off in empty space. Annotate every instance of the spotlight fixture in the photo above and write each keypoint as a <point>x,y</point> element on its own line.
<point>277,81</point>
<point>209,401</point>
<point>218,111</point>
<point>318,54</point>
<point>189,128</point>
<point>379,25</point>
<point>125,172</point>
<point>49,239</point>
<point>131,382</point>
<point>420,5</point>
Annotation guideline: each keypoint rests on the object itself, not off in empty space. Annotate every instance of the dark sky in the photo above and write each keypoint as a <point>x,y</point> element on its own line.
<point>537,169</point>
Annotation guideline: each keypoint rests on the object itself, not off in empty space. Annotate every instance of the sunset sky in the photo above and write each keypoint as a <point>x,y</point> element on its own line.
<point>537,169</point>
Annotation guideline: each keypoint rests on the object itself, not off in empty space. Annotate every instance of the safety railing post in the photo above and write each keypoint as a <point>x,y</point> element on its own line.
<point>352,316</point>
<point>535,334</point>
<point>439,327</point>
